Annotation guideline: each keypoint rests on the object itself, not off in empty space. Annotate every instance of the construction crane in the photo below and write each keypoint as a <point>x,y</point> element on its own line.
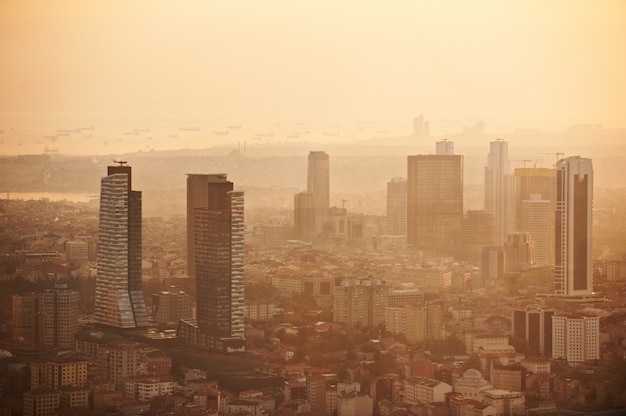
<point>522,160</point>
<point>343,203</point>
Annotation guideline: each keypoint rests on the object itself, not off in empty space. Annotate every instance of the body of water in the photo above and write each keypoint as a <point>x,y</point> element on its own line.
<point>52,196</point>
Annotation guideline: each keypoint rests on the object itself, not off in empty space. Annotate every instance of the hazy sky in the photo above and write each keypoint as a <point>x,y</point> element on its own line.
<point>542,64</point>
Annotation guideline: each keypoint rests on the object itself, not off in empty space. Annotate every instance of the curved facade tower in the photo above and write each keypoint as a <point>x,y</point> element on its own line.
<point>119,297</point>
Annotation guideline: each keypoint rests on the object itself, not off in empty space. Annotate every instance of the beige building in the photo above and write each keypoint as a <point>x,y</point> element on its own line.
<point>41,402</point>
<point>425,390</point>
<point>417,322</point>
<point>360,302</point>
<point>576,339</point>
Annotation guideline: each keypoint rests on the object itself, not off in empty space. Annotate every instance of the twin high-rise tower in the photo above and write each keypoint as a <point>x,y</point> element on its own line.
<point>215,229</point>
<point>574,196</point>
<point>119,295</point>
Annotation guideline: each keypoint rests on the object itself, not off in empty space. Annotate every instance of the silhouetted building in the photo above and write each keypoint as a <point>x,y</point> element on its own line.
<point>119,295</point>
<point>197,197</point>
<point>434,201</point>
<point>421,127</point>
<point>519,252</point>
<point>318,181</point>
<point>499,191</point>
<point>219,241</point>
<point>534,324</point>
<point>574,196</point>
<point>396,207</point>
<point>304,216</point>
<point>492,264</point>
<point>476,233</point>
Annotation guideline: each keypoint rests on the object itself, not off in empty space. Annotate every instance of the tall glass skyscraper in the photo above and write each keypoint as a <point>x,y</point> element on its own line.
<point>119,296</point>
<point>434,201</point>
<point>499,189</point>
<point>218,234</point>
<point>574,196</point>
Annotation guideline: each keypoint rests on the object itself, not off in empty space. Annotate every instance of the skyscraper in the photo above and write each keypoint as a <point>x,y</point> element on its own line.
<point>304,216</point>
<point>396,207</point>
<point>434,201</point>
<point>318,181</point>
<point>119,296</point>
<point>538,220</point>
<point>539,186</point>
<point>218,240</point>
<point>499,191</point>
<point>197,197</point>
<point>574,196</point>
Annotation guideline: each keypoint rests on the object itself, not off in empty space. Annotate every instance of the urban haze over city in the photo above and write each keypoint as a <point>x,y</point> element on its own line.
<point>409,208</point>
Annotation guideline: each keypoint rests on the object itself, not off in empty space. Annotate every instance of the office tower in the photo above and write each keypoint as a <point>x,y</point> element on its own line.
<point>519,252</point>
<point>197,197</point>
<point>499,191</point>
<point>60,317</point>
<point>76,250</point>
<point>318,181</point>
<point>434,201</point>
<point>396,207</point>
<point>360,302</point>
<point>304,216</point>
<point>574,196</point>
<point>219,239</point>
<point>492,264</point>
<point>538,221</point>
<point>119,295</point>
<point>534,324</point>
<point>576,339</point>
<point>534,181</point>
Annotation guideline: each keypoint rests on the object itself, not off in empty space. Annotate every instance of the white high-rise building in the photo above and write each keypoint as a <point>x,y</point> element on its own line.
<point>119,295</point>
<point>574,196</point>
<point>499,190</point>
<point>576,340</point>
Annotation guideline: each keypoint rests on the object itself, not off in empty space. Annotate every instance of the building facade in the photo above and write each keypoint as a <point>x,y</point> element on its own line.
<point>396,207</point>
<point>576,339</point>
<point>119,295</point>
<point>219,256</point>
<point>318,180</point>
<point>434,201</point>
<point>304,216</point>
<point>537,219</point>
<point>360,302</point>
<point>574,196</point>
<point>499,190</point>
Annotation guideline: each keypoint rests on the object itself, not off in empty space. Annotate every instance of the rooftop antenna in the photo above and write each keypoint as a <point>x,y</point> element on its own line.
<point>121,162</point>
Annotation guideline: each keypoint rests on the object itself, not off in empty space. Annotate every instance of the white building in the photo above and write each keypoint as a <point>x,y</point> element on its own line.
<point>576,340</point>
<point>146,388</point>
<point>424,390</point>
